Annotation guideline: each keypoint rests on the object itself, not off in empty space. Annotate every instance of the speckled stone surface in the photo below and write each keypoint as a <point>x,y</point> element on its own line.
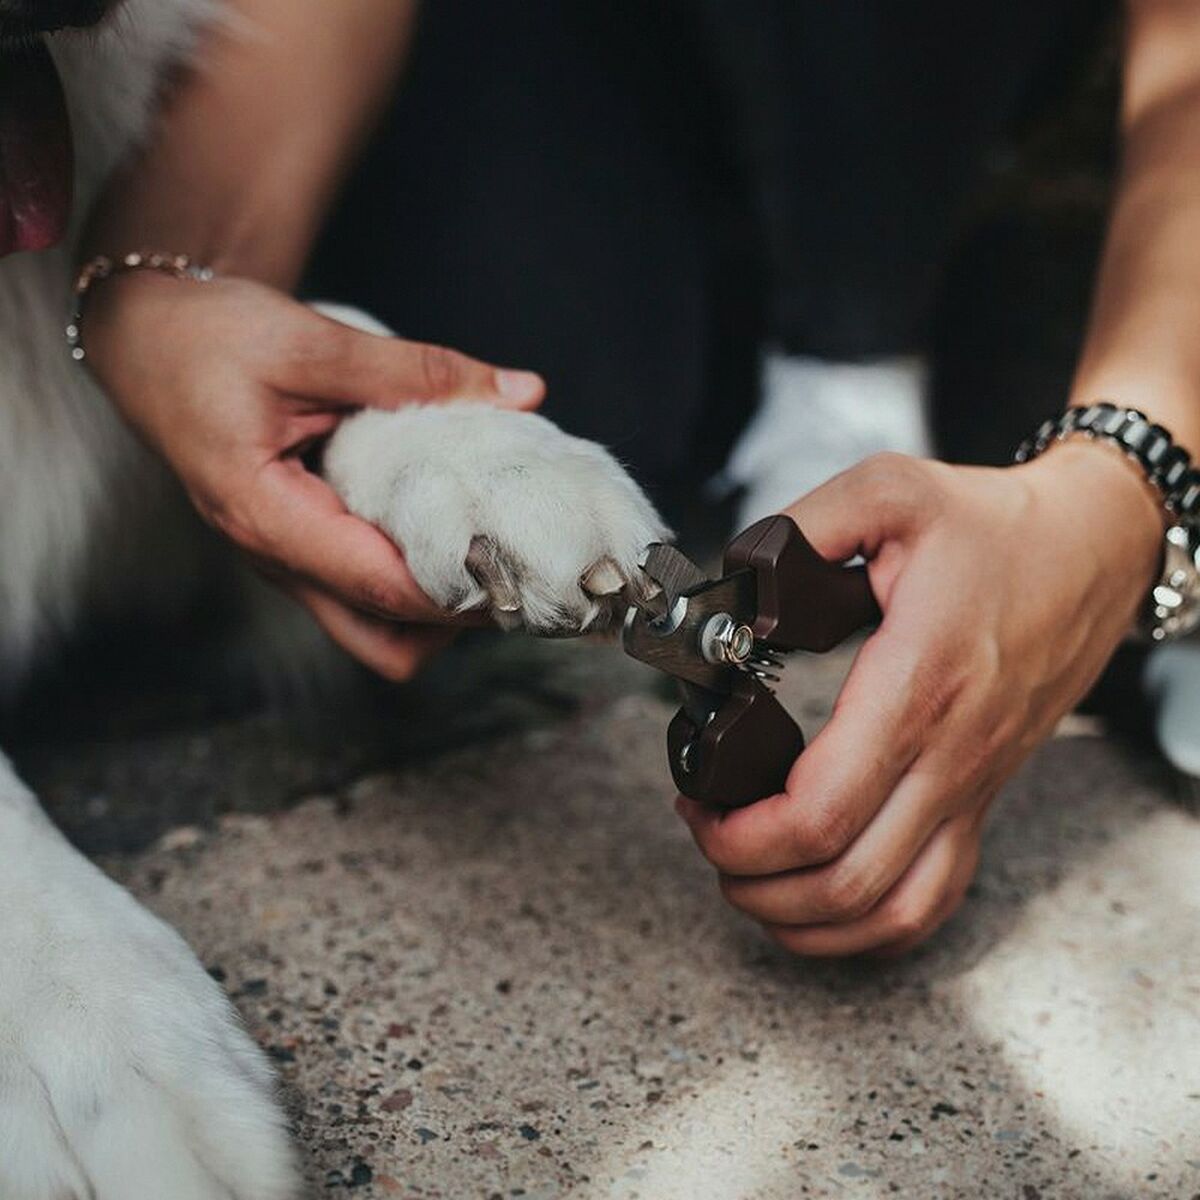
<point>506,972</point>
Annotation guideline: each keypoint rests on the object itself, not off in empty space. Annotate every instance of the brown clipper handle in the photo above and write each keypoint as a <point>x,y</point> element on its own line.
<point>742,754</point>
<point>805,602</point>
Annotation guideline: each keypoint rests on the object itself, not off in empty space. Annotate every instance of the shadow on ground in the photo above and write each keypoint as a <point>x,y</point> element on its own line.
<point>503,970</point>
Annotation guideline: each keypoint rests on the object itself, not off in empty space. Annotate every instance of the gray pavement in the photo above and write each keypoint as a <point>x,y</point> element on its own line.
<point>502,970</point>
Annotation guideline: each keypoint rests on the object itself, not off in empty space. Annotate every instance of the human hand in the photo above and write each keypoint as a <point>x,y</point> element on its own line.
<point>1004,593</point>
<point>232,381</point>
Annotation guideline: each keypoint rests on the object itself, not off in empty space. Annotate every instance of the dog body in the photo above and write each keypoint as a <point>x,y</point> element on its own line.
<point>123,1072</point>
<point>77,491</point>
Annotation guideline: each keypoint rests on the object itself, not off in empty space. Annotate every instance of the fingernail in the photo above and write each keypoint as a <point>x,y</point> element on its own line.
<point>521,387</point>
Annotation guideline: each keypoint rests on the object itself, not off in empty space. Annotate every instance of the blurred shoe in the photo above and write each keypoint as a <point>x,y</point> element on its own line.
<point>817,418</point>
<point>1172,682</point>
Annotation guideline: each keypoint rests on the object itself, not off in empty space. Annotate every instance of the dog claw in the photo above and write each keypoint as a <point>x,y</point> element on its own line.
<point>602,578</point>
<point>644,589</point>
<point>492,573</point>
<point>642,592</point>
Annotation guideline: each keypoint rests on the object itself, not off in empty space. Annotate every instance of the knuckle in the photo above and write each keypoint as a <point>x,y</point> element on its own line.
<point>905,920</point>
<point>441,369</point>
<point>306,345</point>
<point>733,889</point>
<point>848,892</point>
<point>718,854</point>
<point>1005,732</point>
<point>886,469</point>
<point>229,521</point>
<point>707,833</point>
<point>378,595</point>
<point>399,667</point>
<point>895,484</point>
<point>933,697</point>
<point>792,938</point>
<point>939,683</point>
<point>820,834</point>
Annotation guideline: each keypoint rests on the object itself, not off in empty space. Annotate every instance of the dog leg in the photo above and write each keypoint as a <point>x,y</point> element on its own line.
<point>124,1074</point>
<point>496,510</point>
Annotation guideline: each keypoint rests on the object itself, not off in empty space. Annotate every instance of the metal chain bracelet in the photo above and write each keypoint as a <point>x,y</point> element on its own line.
<point>1172,609</point>
<point>1166,465</point>
<point>102,267</point>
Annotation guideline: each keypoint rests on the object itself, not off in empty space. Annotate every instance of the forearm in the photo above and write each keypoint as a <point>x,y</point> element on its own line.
<point>254,138</point>
<point>1143,344</point>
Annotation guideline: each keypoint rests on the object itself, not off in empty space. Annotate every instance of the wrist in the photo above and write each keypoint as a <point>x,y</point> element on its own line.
<point>1167,397</point>
<point>115,312</point>
<point>1100,490</point>
<point>140,326</point>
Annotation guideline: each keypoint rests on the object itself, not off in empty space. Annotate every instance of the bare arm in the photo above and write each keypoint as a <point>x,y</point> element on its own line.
<point>1004,591</point>
<point>230,380</point>
<point>1143,347</point>
<point>255,138</point>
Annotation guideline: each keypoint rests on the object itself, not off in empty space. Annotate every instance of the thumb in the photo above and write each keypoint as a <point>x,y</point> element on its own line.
<point>334,362</point>
<point>861,509</point>
<point>301,529</point>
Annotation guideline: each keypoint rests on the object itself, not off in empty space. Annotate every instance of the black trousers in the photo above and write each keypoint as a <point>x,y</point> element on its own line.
<point>634,196</point>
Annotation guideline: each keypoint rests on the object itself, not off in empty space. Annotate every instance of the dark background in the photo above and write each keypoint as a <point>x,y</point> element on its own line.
<point>633,198</point>
<point>576,187</point>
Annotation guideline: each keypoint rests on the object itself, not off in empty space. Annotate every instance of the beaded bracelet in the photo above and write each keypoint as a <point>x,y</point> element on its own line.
<point>177,266</point>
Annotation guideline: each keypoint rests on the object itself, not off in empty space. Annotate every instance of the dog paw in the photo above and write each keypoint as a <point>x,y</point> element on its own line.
<point>124,1073</point>
<point>499,510</point>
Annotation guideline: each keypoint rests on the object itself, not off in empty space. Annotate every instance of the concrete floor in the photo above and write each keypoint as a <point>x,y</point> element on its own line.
<point>504,971</point>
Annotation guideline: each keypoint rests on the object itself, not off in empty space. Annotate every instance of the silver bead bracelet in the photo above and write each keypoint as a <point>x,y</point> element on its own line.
<point>177,266</point>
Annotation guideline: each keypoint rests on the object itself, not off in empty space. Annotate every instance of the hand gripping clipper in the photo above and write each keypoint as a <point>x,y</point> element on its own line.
<point>732,742</point>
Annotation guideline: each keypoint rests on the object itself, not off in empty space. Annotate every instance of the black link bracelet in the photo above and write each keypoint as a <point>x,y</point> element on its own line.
<point>1167,466</point>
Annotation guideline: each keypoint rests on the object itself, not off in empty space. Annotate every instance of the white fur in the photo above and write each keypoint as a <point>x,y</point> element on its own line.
<point>436,476</point>
<point>70,472</point>
<point>124,1074</point>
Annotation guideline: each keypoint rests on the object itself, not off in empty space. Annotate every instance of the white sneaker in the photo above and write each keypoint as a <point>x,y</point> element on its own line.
<point>817,418</point>
<point>1172,683</point>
